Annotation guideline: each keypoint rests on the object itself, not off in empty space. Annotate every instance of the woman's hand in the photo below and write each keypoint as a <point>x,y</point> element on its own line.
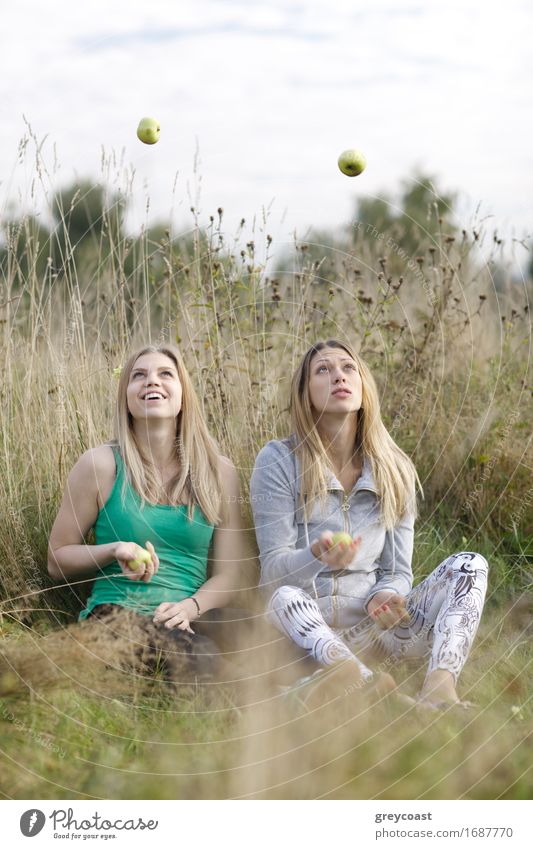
<point>388,609</point>
<point>125,552</point>
<point>337,556</point>
<point>177,614</point>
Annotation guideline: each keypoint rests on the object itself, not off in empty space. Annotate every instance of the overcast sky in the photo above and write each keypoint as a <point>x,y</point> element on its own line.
<point>271,93</point>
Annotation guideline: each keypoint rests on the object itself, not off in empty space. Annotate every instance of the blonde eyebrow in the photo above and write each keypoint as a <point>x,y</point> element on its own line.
<point>345,360</point>
<point>140,368</point>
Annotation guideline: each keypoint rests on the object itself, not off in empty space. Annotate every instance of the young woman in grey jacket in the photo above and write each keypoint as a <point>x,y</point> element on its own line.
<point>341,471</point>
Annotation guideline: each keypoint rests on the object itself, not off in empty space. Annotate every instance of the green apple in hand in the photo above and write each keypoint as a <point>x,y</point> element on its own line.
<point>352,162</point>
<point>148,130</point>
<point>144,557</point>
<point>341,536</point>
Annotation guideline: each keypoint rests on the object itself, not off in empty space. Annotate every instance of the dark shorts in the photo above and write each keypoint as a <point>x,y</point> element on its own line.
<point>179,655</point>
<point>230,646</point>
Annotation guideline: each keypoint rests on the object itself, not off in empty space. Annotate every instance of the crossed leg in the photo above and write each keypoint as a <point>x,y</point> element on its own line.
<point>445,609</point>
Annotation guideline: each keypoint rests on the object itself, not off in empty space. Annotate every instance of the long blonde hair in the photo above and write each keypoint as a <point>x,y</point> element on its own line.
<point>198,481</point>
<point>393,471</point>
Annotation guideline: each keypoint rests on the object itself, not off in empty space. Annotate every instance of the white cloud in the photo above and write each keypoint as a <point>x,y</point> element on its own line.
<point>273,92</point>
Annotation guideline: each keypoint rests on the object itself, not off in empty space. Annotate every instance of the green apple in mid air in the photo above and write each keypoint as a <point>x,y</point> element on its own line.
<point>341,536</point>
<point>352,162</point>
<point>144,557</point>
<point>148,130</point>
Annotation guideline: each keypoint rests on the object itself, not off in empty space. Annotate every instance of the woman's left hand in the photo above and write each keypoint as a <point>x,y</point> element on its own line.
<point>388,609</point>
<point>176,614</point>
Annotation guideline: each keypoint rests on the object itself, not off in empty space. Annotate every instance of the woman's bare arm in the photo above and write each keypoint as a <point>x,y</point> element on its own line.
<point>68,555</point>
<point>229,551</point>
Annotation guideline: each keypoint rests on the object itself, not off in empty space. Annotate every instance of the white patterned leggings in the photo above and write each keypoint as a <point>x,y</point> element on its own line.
<point>445,609</point>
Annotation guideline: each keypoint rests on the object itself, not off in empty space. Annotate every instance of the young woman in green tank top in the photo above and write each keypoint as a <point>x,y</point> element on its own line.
<point>160,486</point>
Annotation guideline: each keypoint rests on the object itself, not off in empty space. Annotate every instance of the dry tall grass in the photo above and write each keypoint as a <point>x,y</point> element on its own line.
<point>452,358</point>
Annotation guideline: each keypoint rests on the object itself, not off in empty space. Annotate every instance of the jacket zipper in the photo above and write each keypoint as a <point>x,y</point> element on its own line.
<point>345,506</point>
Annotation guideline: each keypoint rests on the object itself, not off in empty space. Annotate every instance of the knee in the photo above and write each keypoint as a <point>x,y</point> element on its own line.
<point>286,599</point>
<point>285,595</point>
<point>469,560</point>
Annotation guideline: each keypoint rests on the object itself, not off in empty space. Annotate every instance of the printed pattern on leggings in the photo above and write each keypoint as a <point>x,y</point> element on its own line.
<point>445,609</point>
<point>456,625</point>
<point>298,616</point>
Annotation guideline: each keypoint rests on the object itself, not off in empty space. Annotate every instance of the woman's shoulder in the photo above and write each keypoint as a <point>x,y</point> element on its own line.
<point>98,462</point>
<point>229,476</point>
<point>226,467</point>
<point>224,462</point>
<point>277,454</point>
<point>278,448</point>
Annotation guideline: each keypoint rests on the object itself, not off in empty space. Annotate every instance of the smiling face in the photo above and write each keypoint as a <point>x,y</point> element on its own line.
<point>154,388</point>
<point>335,384</point>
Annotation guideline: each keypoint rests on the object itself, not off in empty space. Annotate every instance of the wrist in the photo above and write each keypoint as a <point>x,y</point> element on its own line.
<point>194,606</point>
<point>315,550</point>
<point>371,604</point>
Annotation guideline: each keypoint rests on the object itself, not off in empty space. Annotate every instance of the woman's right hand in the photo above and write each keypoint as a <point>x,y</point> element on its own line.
<point>125,552</point>
<point>338,556</point>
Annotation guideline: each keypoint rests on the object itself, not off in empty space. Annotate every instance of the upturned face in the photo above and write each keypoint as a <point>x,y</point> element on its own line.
<point>154,389</point>
<point>335,384</point>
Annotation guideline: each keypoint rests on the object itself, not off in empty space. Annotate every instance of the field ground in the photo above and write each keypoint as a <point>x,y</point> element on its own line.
<point>134,738</point>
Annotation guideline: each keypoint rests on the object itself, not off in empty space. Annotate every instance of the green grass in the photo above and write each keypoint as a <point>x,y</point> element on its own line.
<point>119,736</point>
<point>154,744</point>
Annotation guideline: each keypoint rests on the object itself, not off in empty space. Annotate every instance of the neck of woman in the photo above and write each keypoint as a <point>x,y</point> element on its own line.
<point>157,443</point>
<point>338,437</point>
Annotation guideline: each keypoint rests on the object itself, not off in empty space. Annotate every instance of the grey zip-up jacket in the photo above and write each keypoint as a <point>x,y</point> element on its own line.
<point>383,561</point>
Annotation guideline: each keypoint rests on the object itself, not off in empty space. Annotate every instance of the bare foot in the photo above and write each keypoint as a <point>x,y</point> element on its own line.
<point>379,687</point>
<point>326,684</point>
<point>344,680</point>
<point>439,688</point>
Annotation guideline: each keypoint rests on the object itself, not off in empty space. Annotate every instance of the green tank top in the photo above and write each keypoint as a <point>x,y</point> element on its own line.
<point>181,545</point>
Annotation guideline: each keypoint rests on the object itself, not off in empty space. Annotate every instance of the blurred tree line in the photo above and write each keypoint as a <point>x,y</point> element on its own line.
<point>87,232</point>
